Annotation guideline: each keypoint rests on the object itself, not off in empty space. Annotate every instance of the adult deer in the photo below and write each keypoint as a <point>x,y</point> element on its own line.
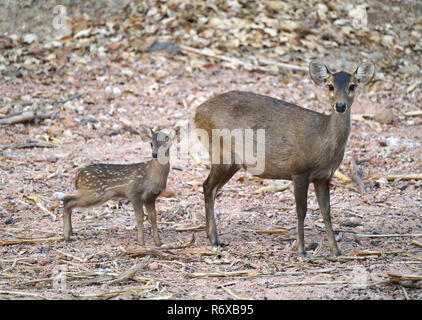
<point>300,144</point>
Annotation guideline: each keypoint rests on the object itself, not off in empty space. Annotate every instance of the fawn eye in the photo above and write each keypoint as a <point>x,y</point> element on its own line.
<point>330,87</point>
<point>150,144</point>
<point>352,87</point>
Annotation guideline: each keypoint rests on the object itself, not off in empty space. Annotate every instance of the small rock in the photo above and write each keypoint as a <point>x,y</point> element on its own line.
<point>117,91</point>
<point>109,90</point>
<point>31,261</point>
<point>9,221</point>
<point>59,195</point>
<point>68,122</point>
<point>42,261</point>
<point>30,37</point>
<point>387,40</point>
<point>168,46</point>
<point>385,116</point>
<point>168,193</point>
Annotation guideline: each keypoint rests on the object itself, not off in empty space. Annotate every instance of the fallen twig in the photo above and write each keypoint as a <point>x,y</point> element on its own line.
<point>364,253</point>
<point>129,291</point>
<point>274,187</point>
<point>71,256</point>
<point>35,114</point>
<point>253,64</point>
<point>269,231</point>
<point>181,246</point>
<point>37,200</point>
<point>342,177</point>
<point>398,177</point>
<point>29,144</point>
<point>149,251</point>
<point>190,228</point>
<point>205,252</point>
<point>389,235</point>
<point>313,283</point>
<point>406,280</point>
<point>416,243</point>
<point>413,113</point>
<point>20,293</point>
<point>29,241</point>
<point>158,252</point>
<point>248,273</point>
<point>233,294</point>
<point>26,116</point>
<point>132,271</point>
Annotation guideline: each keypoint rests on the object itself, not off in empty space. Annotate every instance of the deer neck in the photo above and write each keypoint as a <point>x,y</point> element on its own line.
<point>158,170</point>
<point>338,129</point>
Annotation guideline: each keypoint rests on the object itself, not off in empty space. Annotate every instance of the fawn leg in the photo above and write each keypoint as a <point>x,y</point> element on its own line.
<point>152,216</point>
<point>322,190</point>
<point>67,223</point>
<point>77,201</point>
<point>301,185</point>
<point>139,213</point>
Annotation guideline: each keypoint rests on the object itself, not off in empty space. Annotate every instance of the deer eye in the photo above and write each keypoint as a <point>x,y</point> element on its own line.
<point>330,87</point>
<point>150,144</point>
<point>352,87</point>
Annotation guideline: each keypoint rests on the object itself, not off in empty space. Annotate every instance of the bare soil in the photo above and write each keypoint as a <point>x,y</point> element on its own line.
<point>378,230</point>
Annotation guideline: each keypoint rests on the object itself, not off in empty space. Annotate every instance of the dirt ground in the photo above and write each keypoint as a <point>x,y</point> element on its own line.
<point>102,100</point>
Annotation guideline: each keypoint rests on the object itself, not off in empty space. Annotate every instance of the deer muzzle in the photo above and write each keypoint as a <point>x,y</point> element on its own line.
<point>340,107</point>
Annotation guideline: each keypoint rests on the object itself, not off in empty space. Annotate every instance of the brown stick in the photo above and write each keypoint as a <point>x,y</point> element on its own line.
<point>413,176</point>
<point>249,65</point>
<point>389,235</point>
<point>181,246</point>
<point>20,293</point>
<point>274,187</point>
<point>401,277</point>
<point>342,176</point>
<point>30,144</point>
<point>158,252</point>
<point>26,116</point>
<point>312,283</point>
<point>131,272</point>
<point>416,243</point>
<point>269,231</point>
<point>29,241</point>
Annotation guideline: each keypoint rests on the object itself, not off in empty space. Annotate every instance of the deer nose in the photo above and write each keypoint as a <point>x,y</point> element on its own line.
<point>154,155</point>
<point>340,107</point>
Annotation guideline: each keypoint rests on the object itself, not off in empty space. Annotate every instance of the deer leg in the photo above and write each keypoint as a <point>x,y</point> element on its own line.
<point>139,214</point>
<point>301,185</point>
<point>152,216</point>
<point>67,223</point>
<point>76,201</point>
<point>322,190</point>
<point>218,177</point>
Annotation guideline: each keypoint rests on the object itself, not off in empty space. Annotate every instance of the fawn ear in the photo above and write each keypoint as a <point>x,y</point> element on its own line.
<point>175,133</point>
<point>146,133</point>
<point>318,72</point>
<point>364,73</point>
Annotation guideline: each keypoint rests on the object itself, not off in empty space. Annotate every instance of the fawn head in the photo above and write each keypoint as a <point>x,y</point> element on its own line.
<point>160,142</point>
<point>341,85</point>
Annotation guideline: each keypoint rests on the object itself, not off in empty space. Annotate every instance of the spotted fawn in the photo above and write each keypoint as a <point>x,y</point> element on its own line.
<point>141,183</point>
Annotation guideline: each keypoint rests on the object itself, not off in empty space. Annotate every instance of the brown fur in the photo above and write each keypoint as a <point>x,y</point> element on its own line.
<point>300,144</point>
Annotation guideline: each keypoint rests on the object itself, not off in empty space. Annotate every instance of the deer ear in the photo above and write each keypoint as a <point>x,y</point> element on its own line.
<point>364,73</point>
<point>318,72</point>
<point>146,133</point>
<point>175,133</point>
